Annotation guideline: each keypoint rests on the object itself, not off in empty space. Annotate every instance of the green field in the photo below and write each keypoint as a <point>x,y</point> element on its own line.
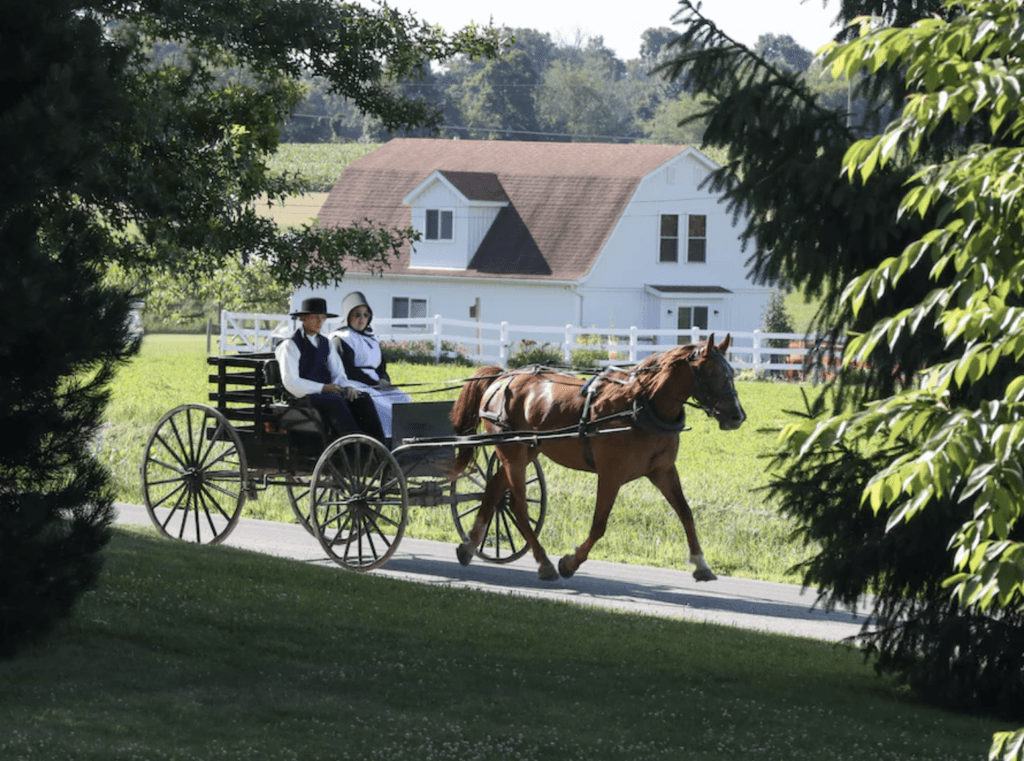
<point>722,472</point>
<point>320,164</point>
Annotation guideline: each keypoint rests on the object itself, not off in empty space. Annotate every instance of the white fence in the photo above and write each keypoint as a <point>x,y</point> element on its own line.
<point>494,343</point>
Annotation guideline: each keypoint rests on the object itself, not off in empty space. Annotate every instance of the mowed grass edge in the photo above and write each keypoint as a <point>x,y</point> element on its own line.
<point>198,652</point>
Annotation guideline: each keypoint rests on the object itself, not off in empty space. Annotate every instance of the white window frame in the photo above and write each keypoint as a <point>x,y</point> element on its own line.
<point>663,239</point>
<point>692,239</point>
<point>409,302</point>
<point>691,312</point>
<point>443,215</point>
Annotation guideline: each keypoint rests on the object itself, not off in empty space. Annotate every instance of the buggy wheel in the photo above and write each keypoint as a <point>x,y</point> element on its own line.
<point>194,475</point>
<point>503,542</point>
<point>298,498</point>
<point>360,502</point>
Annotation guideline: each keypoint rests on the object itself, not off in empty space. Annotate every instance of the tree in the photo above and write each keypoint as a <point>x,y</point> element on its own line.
<point>783,51</point>
<point>819,230</point>
<point>960,430</point>
<point>672,122</point>
<point>496,102</point>
<point>653,42</point>
<point>582,94</point>
<point>110,157</point>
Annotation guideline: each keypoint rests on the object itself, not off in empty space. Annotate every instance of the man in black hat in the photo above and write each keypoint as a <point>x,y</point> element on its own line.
<point>310,367</point>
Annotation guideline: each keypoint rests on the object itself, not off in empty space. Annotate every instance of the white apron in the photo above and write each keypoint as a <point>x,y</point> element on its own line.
<point>367,357</point>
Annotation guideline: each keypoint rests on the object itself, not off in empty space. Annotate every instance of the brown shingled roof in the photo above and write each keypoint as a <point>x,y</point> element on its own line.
<point>565,198</point>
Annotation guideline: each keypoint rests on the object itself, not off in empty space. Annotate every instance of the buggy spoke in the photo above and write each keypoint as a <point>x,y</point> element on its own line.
<point>176,454</point>
<point>170,494</point>
<point>177,506</point>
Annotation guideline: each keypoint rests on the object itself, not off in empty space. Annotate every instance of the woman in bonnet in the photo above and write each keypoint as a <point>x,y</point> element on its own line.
<point>362,358</point>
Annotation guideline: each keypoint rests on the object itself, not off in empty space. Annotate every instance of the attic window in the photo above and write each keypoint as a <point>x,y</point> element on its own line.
<point>439,224</point>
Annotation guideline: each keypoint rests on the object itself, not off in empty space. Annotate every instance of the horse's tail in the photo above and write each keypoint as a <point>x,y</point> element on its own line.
<point>465,414</point>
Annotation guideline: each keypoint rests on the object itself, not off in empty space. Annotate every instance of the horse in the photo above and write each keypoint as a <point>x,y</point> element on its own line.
<point>620,424</point>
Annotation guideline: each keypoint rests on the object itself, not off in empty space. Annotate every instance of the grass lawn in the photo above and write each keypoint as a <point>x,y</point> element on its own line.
<point>721,472</point>
<point>198,652</point>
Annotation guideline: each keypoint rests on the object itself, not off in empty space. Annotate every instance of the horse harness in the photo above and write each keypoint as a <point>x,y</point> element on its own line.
<point>641,413</point>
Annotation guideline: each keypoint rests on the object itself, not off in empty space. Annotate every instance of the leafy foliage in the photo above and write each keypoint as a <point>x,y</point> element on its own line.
<point>111,158</point>
<point>962,427</point>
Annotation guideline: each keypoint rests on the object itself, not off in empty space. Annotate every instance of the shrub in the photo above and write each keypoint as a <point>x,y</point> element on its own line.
<point>421,352</point>
<point>528,352</point>
<point>589,358</point>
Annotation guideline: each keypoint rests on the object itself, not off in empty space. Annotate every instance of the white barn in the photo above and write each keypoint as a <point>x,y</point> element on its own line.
<point>549,234</point>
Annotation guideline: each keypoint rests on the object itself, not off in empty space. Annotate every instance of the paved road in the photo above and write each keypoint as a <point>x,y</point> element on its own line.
<point>760,605</point>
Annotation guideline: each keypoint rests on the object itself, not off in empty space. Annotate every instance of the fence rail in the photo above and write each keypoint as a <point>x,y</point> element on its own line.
<point>494,343</point>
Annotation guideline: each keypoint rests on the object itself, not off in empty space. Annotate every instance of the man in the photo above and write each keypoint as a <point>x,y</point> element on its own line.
<point>310,367</point>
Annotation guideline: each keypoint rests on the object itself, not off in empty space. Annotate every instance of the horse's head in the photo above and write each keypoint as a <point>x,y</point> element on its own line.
<point>713,386</point>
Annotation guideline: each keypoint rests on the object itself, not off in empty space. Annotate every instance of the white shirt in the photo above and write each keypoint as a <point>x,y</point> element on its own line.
<point>288,354</point>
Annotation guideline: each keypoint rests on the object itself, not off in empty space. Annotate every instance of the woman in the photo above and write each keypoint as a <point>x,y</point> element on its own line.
<point>363,360</point>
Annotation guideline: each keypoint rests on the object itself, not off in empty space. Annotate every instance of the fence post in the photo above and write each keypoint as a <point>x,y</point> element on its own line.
<point>634,337</point>
<point>569,340</point>
<point>757,351</point>
<point>223,331</point>
<point>437,339</point>
<point>503,345</point>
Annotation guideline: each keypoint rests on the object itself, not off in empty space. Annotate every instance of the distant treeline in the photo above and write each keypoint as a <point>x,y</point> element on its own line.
<point>543,90</point>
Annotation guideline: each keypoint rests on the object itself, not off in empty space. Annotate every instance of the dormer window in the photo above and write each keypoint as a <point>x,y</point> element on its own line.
<point>439,224</point>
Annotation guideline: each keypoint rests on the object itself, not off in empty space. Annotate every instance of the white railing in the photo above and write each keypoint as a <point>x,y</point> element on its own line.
<point>494,343</point>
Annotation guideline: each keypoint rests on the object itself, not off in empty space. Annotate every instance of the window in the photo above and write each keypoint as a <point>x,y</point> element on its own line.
<point>439,224</point>
<point>688,318</point>
<point>404,308</point>
<point>669,250</point>
<point>697,243</point>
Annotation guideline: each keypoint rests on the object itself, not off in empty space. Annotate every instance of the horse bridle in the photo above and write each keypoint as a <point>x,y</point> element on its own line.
<point>701,391</point>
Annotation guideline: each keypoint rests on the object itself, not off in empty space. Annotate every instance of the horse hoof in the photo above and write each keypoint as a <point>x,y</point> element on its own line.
<point>464,553</point>
<point>547,571</point>
<point>564,569</point>
<point>704,574</point>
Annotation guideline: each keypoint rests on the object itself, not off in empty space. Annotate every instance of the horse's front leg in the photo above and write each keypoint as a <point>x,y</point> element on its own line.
<point>607,491</point>
<point>668,484</point>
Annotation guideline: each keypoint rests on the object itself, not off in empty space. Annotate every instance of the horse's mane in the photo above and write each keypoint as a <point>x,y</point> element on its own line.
<point>649,376</point>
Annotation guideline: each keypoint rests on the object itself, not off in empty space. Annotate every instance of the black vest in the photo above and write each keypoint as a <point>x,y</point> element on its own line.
<point>313,359</point>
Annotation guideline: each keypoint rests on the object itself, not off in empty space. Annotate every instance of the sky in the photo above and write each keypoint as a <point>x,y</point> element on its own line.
<point>622,23</point>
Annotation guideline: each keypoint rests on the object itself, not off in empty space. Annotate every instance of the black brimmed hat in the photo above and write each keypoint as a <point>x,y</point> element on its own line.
<point>313,306</point>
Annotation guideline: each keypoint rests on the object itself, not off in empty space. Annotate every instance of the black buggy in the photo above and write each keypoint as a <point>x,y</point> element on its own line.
<point>346,488</point>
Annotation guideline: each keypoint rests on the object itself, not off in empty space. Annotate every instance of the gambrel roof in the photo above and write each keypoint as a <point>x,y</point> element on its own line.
<point>564,198</point>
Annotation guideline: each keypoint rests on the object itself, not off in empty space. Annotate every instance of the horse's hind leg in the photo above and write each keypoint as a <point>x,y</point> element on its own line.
<point>495,487</point>
<point>667,482</point>
<point>607,491</point>
<point>515,467</point>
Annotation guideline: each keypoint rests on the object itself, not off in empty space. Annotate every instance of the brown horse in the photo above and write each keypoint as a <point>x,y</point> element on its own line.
<point>641,412</point>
